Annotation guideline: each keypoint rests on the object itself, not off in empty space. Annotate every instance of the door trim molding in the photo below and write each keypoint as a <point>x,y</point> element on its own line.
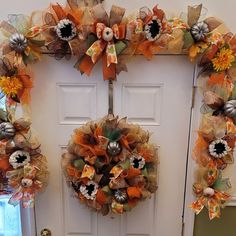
<point>28,221</point>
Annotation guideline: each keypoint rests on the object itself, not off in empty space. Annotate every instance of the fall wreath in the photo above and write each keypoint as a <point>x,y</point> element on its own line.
<point>111,165</point>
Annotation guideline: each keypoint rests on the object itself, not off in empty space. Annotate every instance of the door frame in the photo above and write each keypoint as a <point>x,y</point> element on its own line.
<point>28,221</point>
<point>28,215</point>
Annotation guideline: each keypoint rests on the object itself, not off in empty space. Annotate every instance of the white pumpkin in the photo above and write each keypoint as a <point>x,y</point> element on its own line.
<point>26,182</point>
<point>208,192</point>
<point>107,34</point>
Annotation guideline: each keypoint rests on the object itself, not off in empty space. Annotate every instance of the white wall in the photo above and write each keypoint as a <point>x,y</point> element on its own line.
<point>222,9</point>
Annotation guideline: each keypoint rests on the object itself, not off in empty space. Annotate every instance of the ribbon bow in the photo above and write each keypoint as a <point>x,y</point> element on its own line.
<point>105,42</point>
<point>110,34</point>
<point>213,203</point>
<point>210,197</point>
<point>25,194</point>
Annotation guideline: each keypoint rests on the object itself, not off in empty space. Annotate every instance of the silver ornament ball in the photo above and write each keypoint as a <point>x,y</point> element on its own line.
<point>113,148</point>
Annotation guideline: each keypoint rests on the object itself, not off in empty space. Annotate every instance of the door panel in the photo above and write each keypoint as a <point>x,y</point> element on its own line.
<point>157,96</point>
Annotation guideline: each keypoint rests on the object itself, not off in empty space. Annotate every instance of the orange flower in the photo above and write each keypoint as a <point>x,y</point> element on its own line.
<point>10,86</point>
<point>223,60</point>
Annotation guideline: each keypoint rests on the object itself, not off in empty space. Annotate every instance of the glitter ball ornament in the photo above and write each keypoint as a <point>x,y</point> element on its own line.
<point>199,31</point>
<point>7,130</point>
<point>230,108</point>
<point>113,148</point>
<point>18,42</point>
<point>153,29</point>
<point>219,148</point>
<point>66,30</point>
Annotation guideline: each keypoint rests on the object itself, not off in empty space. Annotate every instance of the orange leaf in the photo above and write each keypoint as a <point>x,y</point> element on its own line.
<point>146,49</point>
<point>4,163</point>
<point>61,14</point>
<point>158,13</point>
<point>217,78</point>
<point>133,192</point>
<point>101,197</point>
<point>133,172</point>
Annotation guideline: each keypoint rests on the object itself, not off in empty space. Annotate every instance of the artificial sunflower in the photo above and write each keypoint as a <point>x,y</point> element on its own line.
<point>108,42</point>
<point>63,33</point>
<point>22,38</point>
<point>216,142</point>
<point>150,34</point>
<point>15,83</point>
<point>223,59</point>
<point>10,86</point>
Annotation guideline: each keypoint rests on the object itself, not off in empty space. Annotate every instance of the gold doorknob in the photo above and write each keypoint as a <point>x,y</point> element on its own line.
<point>45,232</point>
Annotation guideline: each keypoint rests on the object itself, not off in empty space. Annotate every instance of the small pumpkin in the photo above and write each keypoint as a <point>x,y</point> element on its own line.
<point>7,130</point>
<point>18,42</point>
<point>121,196</point>
<point>26,182</point>
<point>230,108</point>
<point>199,31</point>
<point>209,192</point>
<point>107,34</point>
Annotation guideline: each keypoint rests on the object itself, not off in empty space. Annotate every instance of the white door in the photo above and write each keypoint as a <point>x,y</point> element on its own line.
<point>156,95</point>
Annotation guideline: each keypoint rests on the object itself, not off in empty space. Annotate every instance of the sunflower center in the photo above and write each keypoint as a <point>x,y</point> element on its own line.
<point>21,158</point>
<point>220,148</point>
<point>66,31</point>
<point>90,188</point>
<point>154,28</point>
<point>136,163</point>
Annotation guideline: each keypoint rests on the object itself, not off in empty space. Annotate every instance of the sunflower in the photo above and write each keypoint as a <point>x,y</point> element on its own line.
<point>10,86</point>
<point>223,60</point>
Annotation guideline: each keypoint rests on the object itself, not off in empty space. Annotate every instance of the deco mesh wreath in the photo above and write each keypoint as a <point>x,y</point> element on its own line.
<point>110,164</point>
